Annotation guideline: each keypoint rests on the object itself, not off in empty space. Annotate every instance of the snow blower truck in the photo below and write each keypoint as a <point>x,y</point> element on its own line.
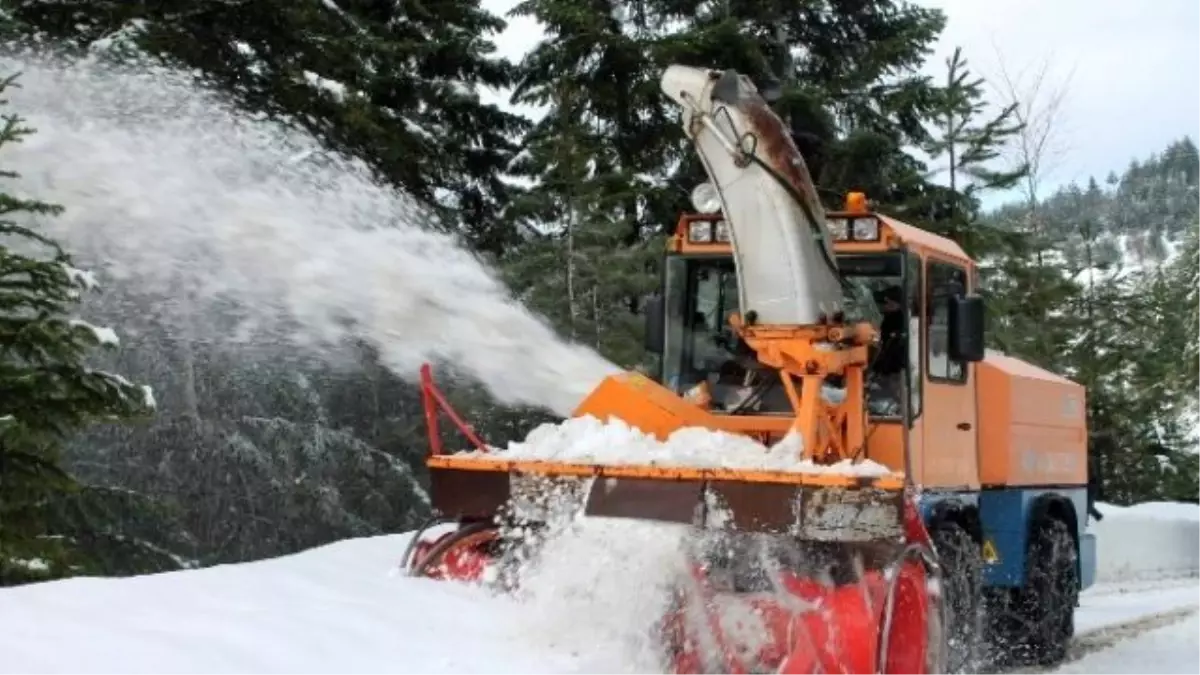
<point>852,340</point>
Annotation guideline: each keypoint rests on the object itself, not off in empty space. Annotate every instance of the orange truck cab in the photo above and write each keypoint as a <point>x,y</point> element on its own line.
<point>996,446</point>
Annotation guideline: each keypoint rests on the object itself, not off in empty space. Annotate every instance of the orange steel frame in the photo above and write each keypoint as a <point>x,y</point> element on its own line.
<point>829,432</point>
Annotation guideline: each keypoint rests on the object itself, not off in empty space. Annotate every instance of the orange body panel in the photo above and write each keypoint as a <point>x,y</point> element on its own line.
<point>885,444</point>
<point>1032,427</point>
<point>644,404</point>
<point>949,457</point>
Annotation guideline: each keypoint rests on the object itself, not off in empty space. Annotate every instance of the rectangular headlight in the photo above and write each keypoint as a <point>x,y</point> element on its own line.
<point>700,231</point>
<point>866,229</point>
<point>721,227</point>
<point>840,228</point>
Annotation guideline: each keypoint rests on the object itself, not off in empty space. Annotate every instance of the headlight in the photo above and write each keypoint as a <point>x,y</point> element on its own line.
<point>840,228</point>
<point>721,227</point>
<point>700,231</point>
<point>705,198</point>
<point>866,229</point>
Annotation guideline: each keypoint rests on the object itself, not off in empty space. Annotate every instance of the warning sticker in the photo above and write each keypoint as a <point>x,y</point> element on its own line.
<point>990,556</point>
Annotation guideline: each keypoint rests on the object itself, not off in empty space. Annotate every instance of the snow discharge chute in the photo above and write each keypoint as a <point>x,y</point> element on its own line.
<point>783,252</point>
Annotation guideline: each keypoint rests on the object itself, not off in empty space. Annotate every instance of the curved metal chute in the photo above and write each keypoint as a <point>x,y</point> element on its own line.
<point>781,247</point>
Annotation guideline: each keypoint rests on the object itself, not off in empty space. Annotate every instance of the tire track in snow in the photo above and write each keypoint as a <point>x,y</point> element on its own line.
<point>1099,639</point>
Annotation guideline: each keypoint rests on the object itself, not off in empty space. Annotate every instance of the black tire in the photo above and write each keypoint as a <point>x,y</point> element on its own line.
<point>962,569</point>
<point>1047,602</point>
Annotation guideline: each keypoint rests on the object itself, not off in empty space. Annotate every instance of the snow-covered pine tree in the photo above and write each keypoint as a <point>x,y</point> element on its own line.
<point>1184,275</point>
<point>589,253</point>
<point>46,389</point>
<point>575,265</point>
<point>844,76</point>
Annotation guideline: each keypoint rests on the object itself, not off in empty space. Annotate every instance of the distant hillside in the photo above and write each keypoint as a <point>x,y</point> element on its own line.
<point>1138,217</point>
<point>1100,283</point>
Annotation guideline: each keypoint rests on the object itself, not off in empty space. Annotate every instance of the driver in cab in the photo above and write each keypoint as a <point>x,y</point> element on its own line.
<point>887,366</point>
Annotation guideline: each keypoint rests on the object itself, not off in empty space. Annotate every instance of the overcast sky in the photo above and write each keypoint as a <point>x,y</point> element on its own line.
<point>1133,68</point>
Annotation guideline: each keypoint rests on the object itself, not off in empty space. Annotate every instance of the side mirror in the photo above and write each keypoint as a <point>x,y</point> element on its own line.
<point>966,328</point>
<point>655,334</point>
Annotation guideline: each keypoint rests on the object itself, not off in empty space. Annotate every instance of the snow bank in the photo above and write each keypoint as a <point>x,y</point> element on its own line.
<point>344,608</point>
<point>1147,541</point>
<point>588,605</point>
<point>589,440</point>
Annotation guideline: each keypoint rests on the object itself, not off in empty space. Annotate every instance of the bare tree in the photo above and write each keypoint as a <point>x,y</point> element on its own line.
<point>1038,103</point>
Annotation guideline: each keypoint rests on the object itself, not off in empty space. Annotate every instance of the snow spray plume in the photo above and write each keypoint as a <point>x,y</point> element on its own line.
<point>172,192</point>
<point>599,587</point>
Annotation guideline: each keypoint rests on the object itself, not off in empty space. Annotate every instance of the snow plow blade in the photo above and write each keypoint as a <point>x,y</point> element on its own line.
<point>479,485</point>
<point>880,617</point>
<point>814,507</point>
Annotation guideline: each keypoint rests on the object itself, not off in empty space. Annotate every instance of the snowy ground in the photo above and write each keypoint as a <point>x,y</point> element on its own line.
<point>342,608</point>
<point>339,608</point>
<point>1167,649</point>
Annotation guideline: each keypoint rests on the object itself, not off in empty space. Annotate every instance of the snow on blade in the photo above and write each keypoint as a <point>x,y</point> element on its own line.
<point>588,440</point>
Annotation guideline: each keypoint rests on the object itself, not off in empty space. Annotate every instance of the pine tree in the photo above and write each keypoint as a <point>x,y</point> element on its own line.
<point>970,144</point>
<point>844,76</point>
<point>606,53</point>
<point>1031,281</point>
<point>1184,278</point>
<point>599,155</point>
<point>46,389</point>
<point>1116,318</point>
<point>1154,403</point>
<point>586,257</point>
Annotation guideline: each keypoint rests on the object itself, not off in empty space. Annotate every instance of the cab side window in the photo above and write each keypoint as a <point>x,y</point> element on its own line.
<point>943,282</point>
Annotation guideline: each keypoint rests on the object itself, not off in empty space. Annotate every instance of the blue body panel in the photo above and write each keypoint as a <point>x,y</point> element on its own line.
<point>1004,516</point>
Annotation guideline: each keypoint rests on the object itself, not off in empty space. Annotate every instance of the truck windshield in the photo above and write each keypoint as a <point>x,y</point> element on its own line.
<point>715,299</point>
<point>701,293</point>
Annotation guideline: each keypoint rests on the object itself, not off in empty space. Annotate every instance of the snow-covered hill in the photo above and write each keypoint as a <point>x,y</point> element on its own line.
<point>344,608</point>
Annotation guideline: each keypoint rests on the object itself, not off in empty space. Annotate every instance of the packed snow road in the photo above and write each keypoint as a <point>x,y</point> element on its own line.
<point>1161,643</point>
<point>343,608</point>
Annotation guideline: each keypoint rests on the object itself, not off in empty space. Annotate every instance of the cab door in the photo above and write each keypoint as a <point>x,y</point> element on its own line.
<point>950,459</point>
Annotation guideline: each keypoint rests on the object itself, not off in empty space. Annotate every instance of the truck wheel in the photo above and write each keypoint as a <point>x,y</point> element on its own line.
<point>962,580</point>
<point>1048,600</point>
